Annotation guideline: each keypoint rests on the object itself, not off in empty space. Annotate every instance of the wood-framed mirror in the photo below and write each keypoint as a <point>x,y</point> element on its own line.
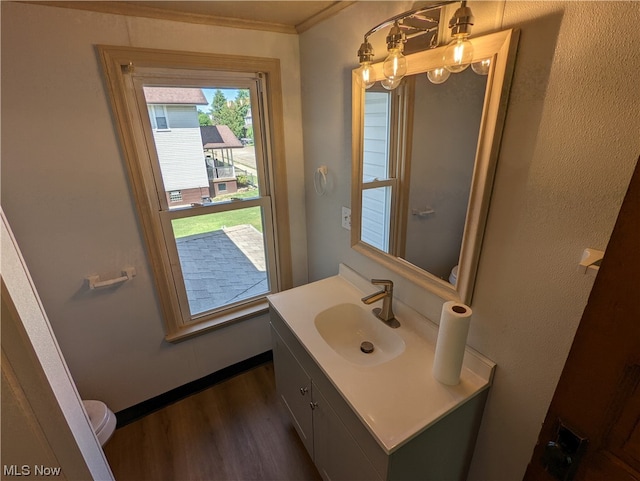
<point>423,162</point>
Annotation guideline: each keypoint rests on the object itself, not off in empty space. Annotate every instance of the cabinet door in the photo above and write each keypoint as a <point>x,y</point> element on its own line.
<point>294,389</point>
<point>337,454</point>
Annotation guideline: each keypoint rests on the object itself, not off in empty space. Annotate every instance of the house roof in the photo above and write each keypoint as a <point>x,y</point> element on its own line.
<point>218,137</point>
<point>174,95</point>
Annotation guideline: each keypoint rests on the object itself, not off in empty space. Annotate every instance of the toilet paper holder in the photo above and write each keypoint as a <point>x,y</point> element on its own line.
<point>128,273</point>
<point>590,262</point>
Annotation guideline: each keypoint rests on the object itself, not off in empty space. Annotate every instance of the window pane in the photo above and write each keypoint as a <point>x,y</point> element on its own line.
<point>377,111</point>
<point>376,217</point>
<point>222,257</point>
<point>208,151</point>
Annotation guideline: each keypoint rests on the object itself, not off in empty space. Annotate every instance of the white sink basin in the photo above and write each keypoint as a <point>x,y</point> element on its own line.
<point>391,390</point>
<point>344,327</point>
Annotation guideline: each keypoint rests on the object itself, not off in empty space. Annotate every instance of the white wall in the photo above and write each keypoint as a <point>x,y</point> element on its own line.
<point>66,194</point>
<point>570,144</point>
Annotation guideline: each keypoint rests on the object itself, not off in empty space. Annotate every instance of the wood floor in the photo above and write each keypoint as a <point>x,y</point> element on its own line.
<point>235,430</point>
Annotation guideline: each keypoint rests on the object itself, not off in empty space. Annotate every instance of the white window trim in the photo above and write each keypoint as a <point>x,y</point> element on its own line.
<point>118,63</point>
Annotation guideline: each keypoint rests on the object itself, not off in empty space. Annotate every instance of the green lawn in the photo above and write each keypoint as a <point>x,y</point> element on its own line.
<point>211,222</point>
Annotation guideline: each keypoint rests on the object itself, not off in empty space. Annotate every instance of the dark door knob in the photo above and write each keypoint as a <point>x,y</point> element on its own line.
<point>556,461</point>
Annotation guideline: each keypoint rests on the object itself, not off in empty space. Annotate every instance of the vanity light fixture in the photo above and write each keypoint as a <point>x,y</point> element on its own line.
<point>413,23</point>
<point>404,26</point>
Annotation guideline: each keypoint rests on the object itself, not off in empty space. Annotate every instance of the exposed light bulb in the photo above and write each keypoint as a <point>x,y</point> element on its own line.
<point>390,84</point>
<point>482,67</point>
<point>458,54</point>
<point>395,65</point>
<point>438,75</point>
<point>366,75</point>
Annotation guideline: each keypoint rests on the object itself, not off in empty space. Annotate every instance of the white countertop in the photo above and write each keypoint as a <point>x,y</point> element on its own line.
<point>398,399</point>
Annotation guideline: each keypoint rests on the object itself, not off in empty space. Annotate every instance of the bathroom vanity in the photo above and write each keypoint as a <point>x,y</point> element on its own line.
<point>378,415</point>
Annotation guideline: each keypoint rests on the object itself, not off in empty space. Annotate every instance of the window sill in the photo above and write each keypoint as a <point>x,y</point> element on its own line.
<point>221,320</point>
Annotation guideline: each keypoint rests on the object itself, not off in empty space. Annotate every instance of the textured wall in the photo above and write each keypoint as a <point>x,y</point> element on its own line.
<point>570,144</point>
<point>59,144</point>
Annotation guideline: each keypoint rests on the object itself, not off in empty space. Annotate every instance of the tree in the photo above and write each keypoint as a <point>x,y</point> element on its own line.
<point>219,108</point>
<point>204,118</point>
<point>231,113</point>
<point>243,101</point>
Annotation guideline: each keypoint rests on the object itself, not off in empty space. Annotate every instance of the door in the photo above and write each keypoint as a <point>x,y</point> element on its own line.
<point>592,428</point>
<point>294,389</point>
<point>45,431</point>
<point>338,456</point>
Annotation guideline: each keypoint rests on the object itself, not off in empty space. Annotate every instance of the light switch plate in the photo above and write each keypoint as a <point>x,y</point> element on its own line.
<point>346,218</point>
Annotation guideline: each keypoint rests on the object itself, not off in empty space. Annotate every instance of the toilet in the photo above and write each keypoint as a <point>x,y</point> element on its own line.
<point>102,420</point>
<point>453,277</point>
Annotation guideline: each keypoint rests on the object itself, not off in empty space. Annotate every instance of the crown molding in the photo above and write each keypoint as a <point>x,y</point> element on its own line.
<point>136,10</point>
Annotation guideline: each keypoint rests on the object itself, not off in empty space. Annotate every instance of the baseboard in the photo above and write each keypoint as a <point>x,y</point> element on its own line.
<point>144,408</point>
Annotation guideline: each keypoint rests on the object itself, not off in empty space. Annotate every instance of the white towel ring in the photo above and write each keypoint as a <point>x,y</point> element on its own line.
<point>320,180</point>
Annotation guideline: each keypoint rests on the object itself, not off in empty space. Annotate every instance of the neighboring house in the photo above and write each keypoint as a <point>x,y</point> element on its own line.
<point>218,142</point>
<point>176,131</point>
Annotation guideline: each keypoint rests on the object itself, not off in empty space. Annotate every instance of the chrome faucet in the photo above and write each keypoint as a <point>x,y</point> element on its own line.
<point>385,314</point>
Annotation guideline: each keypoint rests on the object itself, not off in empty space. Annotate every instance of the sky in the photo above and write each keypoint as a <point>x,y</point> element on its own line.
<point>230,94</point>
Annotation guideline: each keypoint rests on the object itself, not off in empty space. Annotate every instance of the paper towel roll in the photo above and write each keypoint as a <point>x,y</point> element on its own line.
<point>452,339</point>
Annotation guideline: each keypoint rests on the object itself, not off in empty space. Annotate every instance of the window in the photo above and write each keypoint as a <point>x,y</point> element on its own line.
<point>158,114</point>
<point>217,249</point>
<point>378,172</point>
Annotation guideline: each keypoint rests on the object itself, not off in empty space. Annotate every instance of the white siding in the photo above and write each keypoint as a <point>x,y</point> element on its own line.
<point>376,136</point>
<point>180,150</point>
<point>183,116</point>
<point>376,217</point>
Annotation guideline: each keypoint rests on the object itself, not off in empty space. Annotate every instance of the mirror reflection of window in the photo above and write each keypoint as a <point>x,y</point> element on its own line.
<point>376,217</point>
<point>377,195</point>
<point>377,109</point>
